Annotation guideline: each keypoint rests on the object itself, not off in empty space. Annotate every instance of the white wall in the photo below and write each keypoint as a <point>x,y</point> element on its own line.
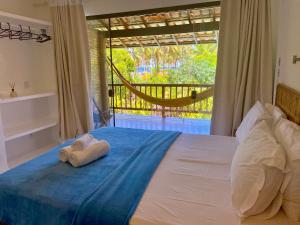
<point>28,63</point>
<point>275,25</point>
<point>96,7</point>
<point>30,8</point>
<point>289,42</point>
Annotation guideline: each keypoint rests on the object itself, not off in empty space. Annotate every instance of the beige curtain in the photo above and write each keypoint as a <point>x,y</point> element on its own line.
<point>244,69</point>
<point>72,67</point>
<point>97,45</point>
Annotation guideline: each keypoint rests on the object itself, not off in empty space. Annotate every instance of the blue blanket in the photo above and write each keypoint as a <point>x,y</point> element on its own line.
<point>46,191</point>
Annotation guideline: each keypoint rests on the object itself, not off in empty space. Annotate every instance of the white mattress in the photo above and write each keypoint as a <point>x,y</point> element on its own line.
<point>192,186</point>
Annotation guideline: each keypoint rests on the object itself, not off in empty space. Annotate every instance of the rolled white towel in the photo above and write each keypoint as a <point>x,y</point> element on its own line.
<point>82,142</point>
<point>93,141</point>
<point>90,154</point>
<point>64,153</point>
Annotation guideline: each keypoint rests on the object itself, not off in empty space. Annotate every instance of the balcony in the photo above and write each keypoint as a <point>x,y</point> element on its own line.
<point>133,112</point>
<point>185,125</point>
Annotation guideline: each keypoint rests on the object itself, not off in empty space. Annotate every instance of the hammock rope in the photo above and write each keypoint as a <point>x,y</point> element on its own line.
<point>178,102</point>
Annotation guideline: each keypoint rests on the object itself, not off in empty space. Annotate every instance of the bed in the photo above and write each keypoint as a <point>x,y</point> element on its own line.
<point>191,185</point>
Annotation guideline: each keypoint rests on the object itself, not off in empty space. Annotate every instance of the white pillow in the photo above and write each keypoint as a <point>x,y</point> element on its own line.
<point>288,134</point>
<point>257,172</point>
<point>275,112</point>
<point>256,114</point>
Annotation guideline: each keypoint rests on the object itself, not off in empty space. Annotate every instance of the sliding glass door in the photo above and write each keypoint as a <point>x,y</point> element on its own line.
<point>155,57</point>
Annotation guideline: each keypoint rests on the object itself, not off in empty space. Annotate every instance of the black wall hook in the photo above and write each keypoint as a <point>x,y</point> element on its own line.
<point>296,59</point>
<point>23,33</point>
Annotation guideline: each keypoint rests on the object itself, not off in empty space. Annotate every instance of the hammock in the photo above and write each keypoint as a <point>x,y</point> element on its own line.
<point>178,102</point>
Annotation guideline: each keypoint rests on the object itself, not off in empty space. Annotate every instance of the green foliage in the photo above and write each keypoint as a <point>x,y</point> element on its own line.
<point>192,64</point>
<point>124,62</point>
<point>198,66</point>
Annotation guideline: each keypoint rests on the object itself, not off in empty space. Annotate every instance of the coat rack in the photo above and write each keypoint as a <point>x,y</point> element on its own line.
<point>22,33</point>
<point>296,59</point>
<point>17,27</point>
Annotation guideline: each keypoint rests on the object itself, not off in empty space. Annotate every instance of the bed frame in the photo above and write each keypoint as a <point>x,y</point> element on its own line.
<point>288,100</point>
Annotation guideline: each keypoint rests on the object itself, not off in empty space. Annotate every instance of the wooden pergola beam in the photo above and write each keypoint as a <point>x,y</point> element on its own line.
<point>190,22</point>
<point>146,25</point>
<point>152,31</point>
<point>157,42</point>
<point>168,44</point>
<point>189,16</point>
<point>217,36</point>
<point>195,38</point>
<point>144,21</point>
<point>175,39</point>
<point>104,24</point>
<point>166,21</point>
<point>122,42</point>
<point>139,41</point>
<point>211,11</point>
<point>123,23</point>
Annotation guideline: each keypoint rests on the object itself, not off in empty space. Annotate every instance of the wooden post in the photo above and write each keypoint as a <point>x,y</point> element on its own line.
<point>163,108</point>
<point>103,87</point>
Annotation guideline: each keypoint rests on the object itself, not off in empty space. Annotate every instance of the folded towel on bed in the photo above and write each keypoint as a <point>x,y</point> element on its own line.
<point>64,153</point>
<point>94,151</point>
<point>80,145</point>
<point>82,142</point>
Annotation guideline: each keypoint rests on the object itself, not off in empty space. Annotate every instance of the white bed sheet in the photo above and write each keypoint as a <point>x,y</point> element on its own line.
<point>192,186</point>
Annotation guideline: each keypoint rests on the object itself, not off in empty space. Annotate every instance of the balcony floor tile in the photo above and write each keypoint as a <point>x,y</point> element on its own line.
<point>191,126</point>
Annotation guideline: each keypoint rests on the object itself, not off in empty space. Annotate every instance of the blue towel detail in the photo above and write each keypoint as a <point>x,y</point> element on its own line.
<point>46,191</point>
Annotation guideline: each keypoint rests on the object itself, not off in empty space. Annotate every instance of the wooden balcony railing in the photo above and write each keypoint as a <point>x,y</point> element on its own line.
<point>126,102</point>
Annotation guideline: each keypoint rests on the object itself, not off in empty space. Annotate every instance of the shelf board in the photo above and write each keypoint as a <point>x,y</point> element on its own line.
<point>30,155</point>
<point>12,133</point>
<point>26,97</point>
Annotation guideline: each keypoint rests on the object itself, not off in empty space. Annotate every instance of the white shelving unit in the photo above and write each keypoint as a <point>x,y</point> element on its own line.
<point>28,127</point>
<point>25,97</point>
<point>28,124</point>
